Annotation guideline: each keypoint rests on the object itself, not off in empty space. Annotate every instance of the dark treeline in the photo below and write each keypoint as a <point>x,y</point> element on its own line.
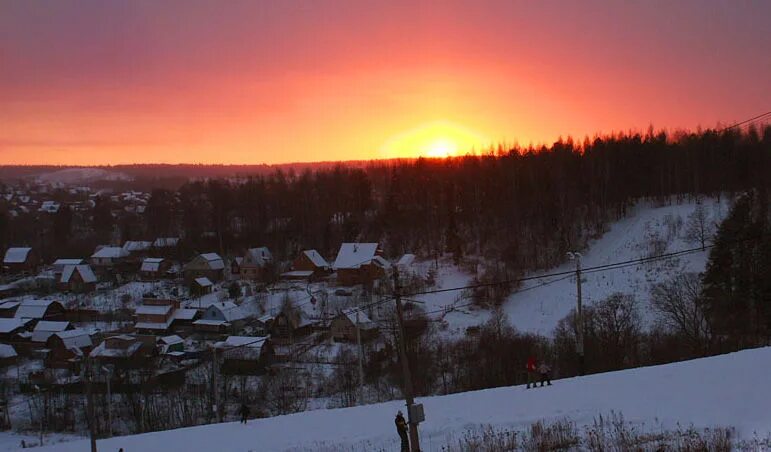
<point>522,207</point>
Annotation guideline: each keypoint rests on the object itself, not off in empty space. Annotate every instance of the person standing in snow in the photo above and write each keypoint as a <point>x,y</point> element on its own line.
<point>531,369</point>
<point>244,412</point>
<point>545,372</point>
<point>401,429</point>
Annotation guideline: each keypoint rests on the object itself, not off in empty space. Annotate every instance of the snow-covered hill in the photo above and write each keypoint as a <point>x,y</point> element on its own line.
<point>71,176</point>
<point>540,303</point>
<point>729,390</point>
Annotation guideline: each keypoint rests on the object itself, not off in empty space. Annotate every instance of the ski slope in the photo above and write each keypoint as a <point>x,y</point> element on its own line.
<point>730,390</point>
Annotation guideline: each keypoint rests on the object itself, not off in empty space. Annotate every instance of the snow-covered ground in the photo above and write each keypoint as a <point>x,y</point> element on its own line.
<point>81,176</point>
<point>541,303</point>
<point>729,390</point>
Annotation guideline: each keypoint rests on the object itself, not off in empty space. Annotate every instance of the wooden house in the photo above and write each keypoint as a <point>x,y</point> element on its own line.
<point>154,268</point>
<point>201,286</point>
<point>245,355</point>
<point>77,278</point>
<point>207,265</point>
<point>8,355</point>
<point>40,310</point>
<point>343,326</point>
<point>20,260</point>
<point>107,257</point>
<point>66,349</point>
<point>291,325</point>
<point>257,264</point>
<point>359,263</point>
<point>155,315</point>
<point>126,352</point>
<point>46,328</point>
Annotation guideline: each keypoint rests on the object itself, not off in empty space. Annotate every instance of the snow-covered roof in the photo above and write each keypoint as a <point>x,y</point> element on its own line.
<point>151,264</point>
<point>364,321</point>
<point>16,255</point>
<point>185,314</point>
<point>406,260</point>
<point>49,206</point>
<point>63,262</point>
<point>243,341</point>
<point>152,310</point>
<point>210,322</point>
<point>203,281</point>
<point>44,329</point>
<point>110,252</point>
<point>229,310</point>
<point>258,257</point>
<point>9,325</point>
<point>214,260</point>
<point>136,245</point>
<point>101,350</point>
<point>298,274</point>
<point>379,260</point>
<point>77,338</point>
<point>316,258</point>
<point>158,326</point>
<point>85,271</point>
<point>166,242</point>
<point>353,255</point>
<point>7,351</point>
<point>170,340</point>
<point>33,309</point>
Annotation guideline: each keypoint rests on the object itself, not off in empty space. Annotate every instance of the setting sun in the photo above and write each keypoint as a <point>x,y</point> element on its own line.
<point>436,139</point>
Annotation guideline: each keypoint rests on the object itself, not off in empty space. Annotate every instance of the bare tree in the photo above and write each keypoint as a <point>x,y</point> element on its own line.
<point>699,229</point>
<point>681,309</point>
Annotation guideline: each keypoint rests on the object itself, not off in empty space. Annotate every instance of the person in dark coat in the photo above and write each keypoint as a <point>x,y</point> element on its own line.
<point>401,429</point>
<point>545,372</point>
<point>531,370</point>
<point>244,412</point>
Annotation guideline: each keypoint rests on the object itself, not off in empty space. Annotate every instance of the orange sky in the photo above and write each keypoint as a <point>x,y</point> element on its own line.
<point>269,82</point>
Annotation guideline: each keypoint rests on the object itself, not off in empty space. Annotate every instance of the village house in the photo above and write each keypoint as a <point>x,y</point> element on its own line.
<point>154,268</point>
<point>8,355</point>
<point>137,248</point>
<point>257,264</point>
<point>207,265</point>
<point>155,315</point>
<point>67,349</point>
<point>59,264</point>
<point>220,317</point>
<point>183,320</point>
<point>12,330</point>
<point>308,265</point>
<point>78,278</point>
<point>245,355</point>
<point>45,329</point>
<point>49,207</point>
<point>201,286</point>
<point>20,260</point>
<point>165,247</point>
<point>108,257</point>
<point>359,263</point>
<point>343,326</point>
<point>40,310</point>
<point>171,344</point>
<point>8,308</point>
<point>290,325</point>
<point>125,352</point>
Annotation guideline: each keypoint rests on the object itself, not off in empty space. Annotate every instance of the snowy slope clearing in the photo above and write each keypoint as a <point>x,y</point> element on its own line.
<point>729,390</point>
<point>542,303</point>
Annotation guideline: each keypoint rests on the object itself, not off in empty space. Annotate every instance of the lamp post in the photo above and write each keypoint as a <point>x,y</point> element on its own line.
<point>109,399</point>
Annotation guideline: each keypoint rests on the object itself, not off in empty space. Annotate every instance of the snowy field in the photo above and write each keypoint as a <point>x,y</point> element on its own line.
<point>729,390</point>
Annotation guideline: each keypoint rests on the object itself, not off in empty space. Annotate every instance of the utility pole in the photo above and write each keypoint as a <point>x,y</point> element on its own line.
<point>414,439</point>
<point>361,357</point>
<point>89,404</point>
<point>579,314</point>
<point>215,390</point>
<point>109,399</point>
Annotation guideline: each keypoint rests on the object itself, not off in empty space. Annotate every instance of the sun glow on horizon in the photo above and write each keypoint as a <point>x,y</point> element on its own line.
<point>438,139</point>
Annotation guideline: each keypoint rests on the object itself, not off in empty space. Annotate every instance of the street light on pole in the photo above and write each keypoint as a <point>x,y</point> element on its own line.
<point>576,256</point>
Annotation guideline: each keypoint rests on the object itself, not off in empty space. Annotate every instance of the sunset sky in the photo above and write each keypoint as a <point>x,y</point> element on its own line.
<point>108,82</point>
